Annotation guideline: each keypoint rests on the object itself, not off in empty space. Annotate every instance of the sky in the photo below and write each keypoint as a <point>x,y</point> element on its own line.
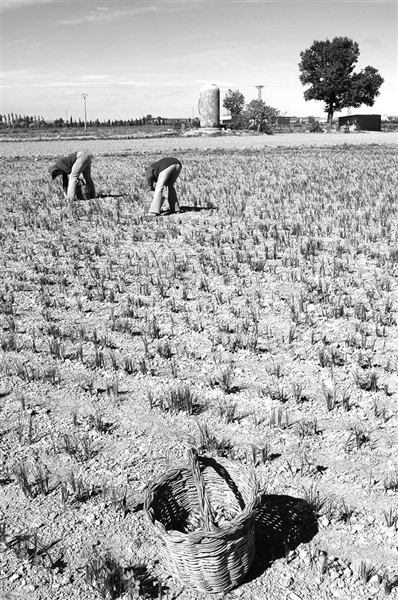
<point>139,57</point>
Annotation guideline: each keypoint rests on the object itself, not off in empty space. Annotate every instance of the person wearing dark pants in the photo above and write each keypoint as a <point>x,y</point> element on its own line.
<point>73,167</point>
<point>163,173</point>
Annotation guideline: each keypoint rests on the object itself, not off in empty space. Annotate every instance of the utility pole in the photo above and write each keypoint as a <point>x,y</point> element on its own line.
<point>259,88</point>
<point>84,96</point>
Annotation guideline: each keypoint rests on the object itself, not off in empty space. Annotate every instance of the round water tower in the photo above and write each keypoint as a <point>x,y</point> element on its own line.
<point>209,107</point>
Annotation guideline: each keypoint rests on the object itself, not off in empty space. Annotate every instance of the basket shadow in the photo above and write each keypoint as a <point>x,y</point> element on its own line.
<point>282,523</point>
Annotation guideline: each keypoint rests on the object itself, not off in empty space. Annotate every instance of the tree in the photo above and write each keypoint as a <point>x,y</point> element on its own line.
<point>260,116</point>
<point>234,101</point>
<point>328,67</point>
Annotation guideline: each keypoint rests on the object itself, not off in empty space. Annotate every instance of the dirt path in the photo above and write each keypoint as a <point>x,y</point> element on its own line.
<point>59,147</point>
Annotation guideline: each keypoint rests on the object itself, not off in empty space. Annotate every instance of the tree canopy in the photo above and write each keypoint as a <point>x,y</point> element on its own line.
<point>260,116</point>
<point>234,101</point>
<point>328,67</point>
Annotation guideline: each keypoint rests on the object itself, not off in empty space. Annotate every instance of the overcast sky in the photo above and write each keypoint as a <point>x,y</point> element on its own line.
<point>139,57</point>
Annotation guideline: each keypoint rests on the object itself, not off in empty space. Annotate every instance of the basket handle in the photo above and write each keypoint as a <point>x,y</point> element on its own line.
<point>204,504</point>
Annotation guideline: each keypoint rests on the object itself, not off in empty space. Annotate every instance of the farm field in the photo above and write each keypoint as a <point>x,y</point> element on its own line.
<point>260,325</point>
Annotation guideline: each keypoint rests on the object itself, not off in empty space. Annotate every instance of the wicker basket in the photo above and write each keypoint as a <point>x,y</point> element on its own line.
<point>83,191</point>
<point>203,515</point>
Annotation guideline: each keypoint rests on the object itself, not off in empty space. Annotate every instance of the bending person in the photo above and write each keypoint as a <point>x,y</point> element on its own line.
<point>163,173</point>
<point>72,167</point>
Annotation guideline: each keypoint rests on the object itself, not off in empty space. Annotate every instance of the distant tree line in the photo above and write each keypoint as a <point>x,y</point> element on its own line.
<point>147,120</point>
<point>18,121</point>
<point>14,120</point>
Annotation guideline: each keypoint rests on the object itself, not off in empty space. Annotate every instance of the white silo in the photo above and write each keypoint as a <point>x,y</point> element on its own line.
<point>209,107</point>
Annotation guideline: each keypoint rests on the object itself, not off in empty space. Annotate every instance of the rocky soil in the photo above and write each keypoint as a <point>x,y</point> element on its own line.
<point>260,325</point>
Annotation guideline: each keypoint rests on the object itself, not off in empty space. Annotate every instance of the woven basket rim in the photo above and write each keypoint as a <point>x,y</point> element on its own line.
<point>228,529</point>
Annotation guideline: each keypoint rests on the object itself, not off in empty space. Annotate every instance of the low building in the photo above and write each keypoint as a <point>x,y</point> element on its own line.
<point>361,122</point>
<point>283,121</point>
<point>230,120</point>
